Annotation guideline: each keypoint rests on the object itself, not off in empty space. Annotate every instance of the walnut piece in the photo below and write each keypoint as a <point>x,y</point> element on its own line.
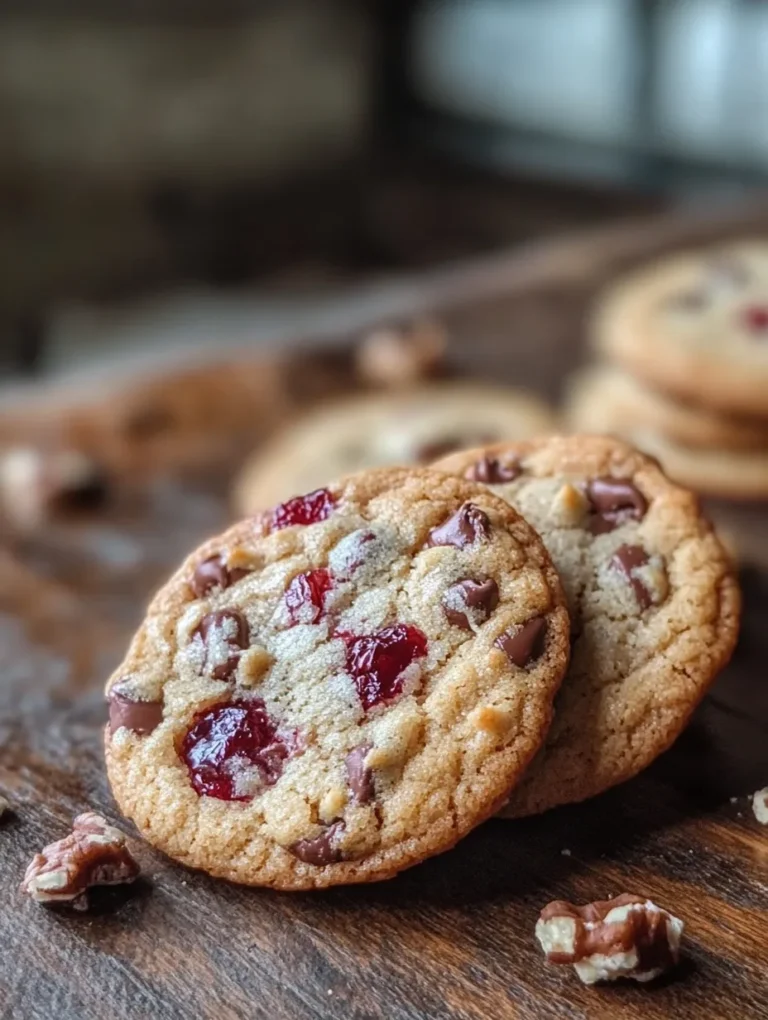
<point>36,485</point>
<point>626,937</point>
<point>5,805</point>
<point>760,805</point>
<point>93,854</point>
<point>396,357</point>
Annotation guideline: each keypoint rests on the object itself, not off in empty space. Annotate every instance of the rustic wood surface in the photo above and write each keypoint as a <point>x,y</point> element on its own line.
<point>452,938</point>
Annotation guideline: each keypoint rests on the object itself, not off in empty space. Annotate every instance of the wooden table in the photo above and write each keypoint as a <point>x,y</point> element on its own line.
<point>452,938</point>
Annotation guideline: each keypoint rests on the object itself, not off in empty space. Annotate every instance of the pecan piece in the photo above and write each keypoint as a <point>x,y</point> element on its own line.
<point>94,853</point>
<point>628,937</point>
<point>397,356</point>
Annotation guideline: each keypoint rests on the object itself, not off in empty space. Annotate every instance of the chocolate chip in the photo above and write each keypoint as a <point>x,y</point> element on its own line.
<point>461,598</point>
<point>125,710</point>
<point>360,778</point>
<point>468,525</point>
<point>524,644</point>
<point>320,850</point>
<point>214,573</point>
<point>494,470</point>
<point>224,627</point>
<point>627,559</point>
<point>614,501</point>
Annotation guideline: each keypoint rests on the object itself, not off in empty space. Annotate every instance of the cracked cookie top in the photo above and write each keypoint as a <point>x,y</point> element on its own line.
<point>340,687</point>
<point>653,602</point>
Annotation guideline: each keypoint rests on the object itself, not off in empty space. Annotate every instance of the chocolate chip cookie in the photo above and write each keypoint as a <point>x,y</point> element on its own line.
<point>653,601</point>
<point>411,427</point>
<point>695,325</point>
<point>340,687</point>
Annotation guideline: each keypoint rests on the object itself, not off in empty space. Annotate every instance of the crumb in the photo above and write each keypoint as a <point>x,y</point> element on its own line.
<point>566,852</point>
<point>760,805</point>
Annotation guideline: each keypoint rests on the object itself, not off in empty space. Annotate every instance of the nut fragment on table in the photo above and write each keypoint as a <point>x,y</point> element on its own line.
<point>35,484</point>
<point>626,937</point>
<point>760,805</point>
<point>392,356</point>
<point>93,854</point>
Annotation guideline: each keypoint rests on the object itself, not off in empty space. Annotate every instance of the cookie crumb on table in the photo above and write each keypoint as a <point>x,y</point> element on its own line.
<point>760,805</point>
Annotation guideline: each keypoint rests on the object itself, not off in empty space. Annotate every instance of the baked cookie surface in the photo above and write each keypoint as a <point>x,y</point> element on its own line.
<point>653,601</point>
<point>604,399</point>
<point>695,325</point>
<point>334,690</point>
<point>411,427</point>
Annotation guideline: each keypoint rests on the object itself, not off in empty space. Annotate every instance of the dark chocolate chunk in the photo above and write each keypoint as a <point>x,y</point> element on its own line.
<point>494,470</point>
<point>464,596</point>
<point>125,710</point>
<point>468,525</point>
<point>208,630</point>
<point>627,559</point>
<point>614,501</point>
<point>214,573</point>
<point>322,849</point>
<point>360,778</point>
<point>524,644</point>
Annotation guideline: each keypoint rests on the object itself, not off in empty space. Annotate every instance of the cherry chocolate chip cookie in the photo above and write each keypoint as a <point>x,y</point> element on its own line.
<point>695,325</point>
<point>340,687</point>
<point>653,602</point>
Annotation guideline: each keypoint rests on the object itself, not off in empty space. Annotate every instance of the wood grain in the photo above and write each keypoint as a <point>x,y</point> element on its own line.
<point>452,938</point>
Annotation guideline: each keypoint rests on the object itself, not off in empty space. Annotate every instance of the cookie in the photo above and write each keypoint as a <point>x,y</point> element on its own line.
<point>605,399</point>
<point>728,474</point>
<point>336,689</point>
<point>412,427</point>
<point>695,325</point>
<point>653,601</point>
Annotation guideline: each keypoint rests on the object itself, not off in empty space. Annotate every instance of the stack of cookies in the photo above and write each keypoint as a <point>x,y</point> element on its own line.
<point>685,370</point>
<point>346,684</point>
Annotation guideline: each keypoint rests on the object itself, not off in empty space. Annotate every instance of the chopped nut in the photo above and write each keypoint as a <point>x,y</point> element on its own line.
<point>332,804</point>
<point>624,937</point>
<point>396,357</point>
<point>491,720</point>
<point>93,854</point>
<point>760,805</point>
<point>569,506</point>
<point>5,806</point>
<point>253,666</point>
<point>240,558</point>
<point>396,737</point>
<point>36,484</point>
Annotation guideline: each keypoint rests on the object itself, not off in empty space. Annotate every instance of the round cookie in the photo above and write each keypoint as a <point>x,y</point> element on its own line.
<point>653,601</point>
<point>728,474</point>
<point>336,689</point>
<point>695,325</point>
<point>606,399</point>
<point>410,427</point>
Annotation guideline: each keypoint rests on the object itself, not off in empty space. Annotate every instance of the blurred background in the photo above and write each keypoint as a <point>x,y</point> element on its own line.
<point>188,173</point>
